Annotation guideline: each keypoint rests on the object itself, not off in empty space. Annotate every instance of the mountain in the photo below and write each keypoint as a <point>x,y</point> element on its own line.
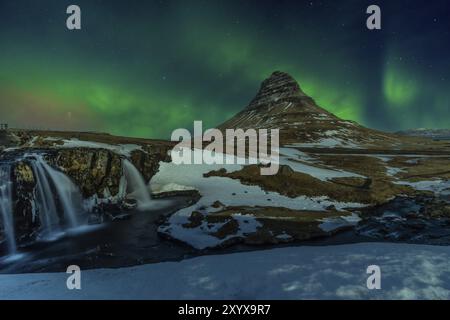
<point>281,103</point>
<point>435,134</point>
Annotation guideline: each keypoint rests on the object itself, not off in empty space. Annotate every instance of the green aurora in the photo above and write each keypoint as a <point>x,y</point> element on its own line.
<point>143,70</point>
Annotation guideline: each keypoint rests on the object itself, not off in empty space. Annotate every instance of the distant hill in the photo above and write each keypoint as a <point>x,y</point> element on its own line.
<point>435,134</point>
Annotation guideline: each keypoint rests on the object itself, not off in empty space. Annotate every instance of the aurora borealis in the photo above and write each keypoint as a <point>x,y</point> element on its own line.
<point>145,68</point>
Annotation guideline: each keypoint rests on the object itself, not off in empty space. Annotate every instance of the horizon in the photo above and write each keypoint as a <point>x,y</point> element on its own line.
<point>121,74</point>
<point>192,129</point>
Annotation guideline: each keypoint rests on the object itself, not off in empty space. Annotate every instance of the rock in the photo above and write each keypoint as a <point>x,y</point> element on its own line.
<point>230,227</point>
<point>94,171</point>
<point>129,204</point>
<point>147,161</point>
<point>220,172</point>
<point>285,170</point>
<point>8,139</point>
<point>195,220</point>
<point>121,217</point>
<point>194,194</point>
<point>279,85</point>
<point>26,220</point>
<point>24,174</point>
<point>217,204</point>
<point>95,218</point>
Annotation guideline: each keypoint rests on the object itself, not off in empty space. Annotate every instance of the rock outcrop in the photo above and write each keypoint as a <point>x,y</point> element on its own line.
<point>147,160</point>
<point>278,86</point>
<point>25,220</point>
<point>94,171</point>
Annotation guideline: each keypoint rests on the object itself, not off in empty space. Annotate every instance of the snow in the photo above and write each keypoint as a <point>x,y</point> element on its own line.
<point>10,149</point>
<point>437,186</point>
<point>329,143</point>
<point>170,187</point>
<point>284,236</point>
<point>122,149</point>
<point>247,223</point>
<point>228,191</point>
<point>290,157</point>
<point>392,171</point>
<point>329,272</point>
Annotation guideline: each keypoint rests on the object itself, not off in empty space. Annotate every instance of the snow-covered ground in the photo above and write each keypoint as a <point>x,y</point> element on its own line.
<point>330,272</point>
<point>332,139</point>
<point>122,149</point>
<point>437,186</point>
<point>308,165</point>
<point>229,192</point>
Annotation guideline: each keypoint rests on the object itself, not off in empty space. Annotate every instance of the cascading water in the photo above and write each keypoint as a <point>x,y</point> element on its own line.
<point>45,201</point>
<point>57,202</point>
<point>6,207</point>
<point>136,185</point>
<point>67,193</point>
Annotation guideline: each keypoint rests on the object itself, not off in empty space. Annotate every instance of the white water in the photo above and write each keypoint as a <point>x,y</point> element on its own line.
<point>137,188</point>
<point>6,208</point>
<point>67,193</point>
<point>55,191</point>
<point>45,201</point>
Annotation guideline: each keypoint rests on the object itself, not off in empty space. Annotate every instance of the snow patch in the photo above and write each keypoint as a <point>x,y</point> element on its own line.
<point>329,272</point>
<point>436,186</point>
<point>228,191</point>
<point>170,187</point>
<point>289,156</point>
<point>122,149</point>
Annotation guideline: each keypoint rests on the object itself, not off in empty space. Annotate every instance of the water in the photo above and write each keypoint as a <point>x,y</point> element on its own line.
<point>108,245</point>
<point>137,188</point>
<point>45,201</point>
<point>6,208</point>
<point>67,194</point>
<point>406,219</point>
<point>57,201</point>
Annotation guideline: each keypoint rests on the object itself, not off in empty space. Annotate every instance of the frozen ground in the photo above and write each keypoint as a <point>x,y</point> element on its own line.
<point>407,272</point>
<point>122,149</point>
<point>292,158</point>
<point>229,192</point>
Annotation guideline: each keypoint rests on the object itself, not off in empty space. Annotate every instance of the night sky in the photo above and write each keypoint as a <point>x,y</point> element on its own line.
<point>144,68</point>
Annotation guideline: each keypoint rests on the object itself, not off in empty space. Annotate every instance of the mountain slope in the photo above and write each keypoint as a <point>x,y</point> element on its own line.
<point>280,103</point>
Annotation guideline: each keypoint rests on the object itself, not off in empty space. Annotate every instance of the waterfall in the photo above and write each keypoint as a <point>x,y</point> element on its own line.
<point>45,201</point>
<point>6,207</point>
<point>67,193</point>
<point>137,188</point>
